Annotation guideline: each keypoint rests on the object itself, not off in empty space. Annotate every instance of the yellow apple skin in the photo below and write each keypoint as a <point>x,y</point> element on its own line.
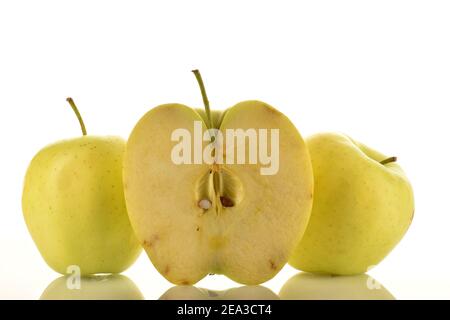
<point>73,204</point>
<point>361,208</point>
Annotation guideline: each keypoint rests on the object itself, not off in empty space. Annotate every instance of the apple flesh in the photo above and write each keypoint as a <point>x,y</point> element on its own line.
<point>363,205</point>
<point>229,219</point>
<point>74,206</point>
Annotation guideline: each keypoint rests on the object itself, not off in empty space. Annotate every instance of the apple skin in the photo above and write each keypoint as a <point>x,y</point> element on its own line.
<point>74,206</point>
<point>361,208</point>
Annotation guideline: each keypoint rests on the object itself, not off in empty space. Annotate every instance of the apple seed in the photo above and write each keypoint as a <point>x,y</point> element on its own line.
<point>204,204</point>
<point>226,202</point>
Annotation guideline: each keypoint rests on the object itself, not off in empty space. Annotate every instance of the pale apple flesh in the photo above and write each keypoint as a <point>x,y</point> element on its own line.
<point>254,221</point>
<point>363,206</point>
<point>74,206</point>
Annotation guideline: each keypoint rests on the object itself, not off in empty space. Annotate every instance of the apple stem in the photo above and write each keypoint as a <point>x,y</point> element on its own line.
<point>388,160</point>
<point>80,119</point>
<point>198,76</point>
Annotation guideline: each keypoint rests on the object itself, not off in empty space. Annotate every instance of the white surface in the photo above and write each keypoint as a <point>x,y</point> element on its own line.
<point>376,70</point>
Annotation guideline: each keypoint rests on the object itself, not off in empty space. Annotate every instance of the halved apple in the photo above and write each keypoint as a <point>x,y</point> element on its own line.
<point>227,218</point>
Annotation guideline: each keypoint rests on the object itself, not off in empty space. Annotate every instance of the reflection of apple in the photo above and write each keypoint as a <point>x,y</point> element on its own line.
<point>74,206</point>
<point>110,287</point>
<point>240,293</point>
<point>363,206</point>
<point>305,286</point>
<point>196,219</point>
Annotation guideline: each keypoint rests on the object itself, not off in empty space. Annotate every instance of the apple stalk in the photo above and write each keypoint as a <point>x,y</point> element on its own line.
<point>77,113</point>
<point>198,76</point>
<point>388,160</point>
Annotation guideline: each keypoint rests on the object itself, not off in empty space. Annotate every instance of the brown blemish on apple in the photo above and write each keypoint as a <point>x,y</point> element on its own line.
<point>149,243</point>
<point>146,244</point>
<point>197,229</point>
<point>167,270</point>
<point>273,266</point>
<point>184,282</point>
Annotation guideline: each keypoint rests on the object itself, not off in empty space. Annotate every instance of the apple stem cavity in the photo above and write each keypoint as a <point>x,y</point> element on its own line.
<point>198,76</point>
<point>388,160</point>
<point>80,119</point>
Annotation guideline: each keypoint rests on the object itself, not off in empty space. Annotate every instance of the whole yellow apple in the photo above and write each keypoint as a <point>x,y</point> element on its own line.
<point>74,206</point>
<point>363,205</point>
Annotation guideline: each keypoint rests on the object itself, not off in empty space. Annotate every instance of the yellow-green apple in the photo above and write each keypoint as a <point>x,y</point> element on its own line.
<point>363,205</point>
<point>74,206</point>
<point>224,192</point>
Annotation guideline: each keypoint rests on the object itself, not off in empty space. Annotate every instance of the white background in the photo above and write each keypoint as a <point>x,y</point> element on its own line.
<point>376,70</point>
